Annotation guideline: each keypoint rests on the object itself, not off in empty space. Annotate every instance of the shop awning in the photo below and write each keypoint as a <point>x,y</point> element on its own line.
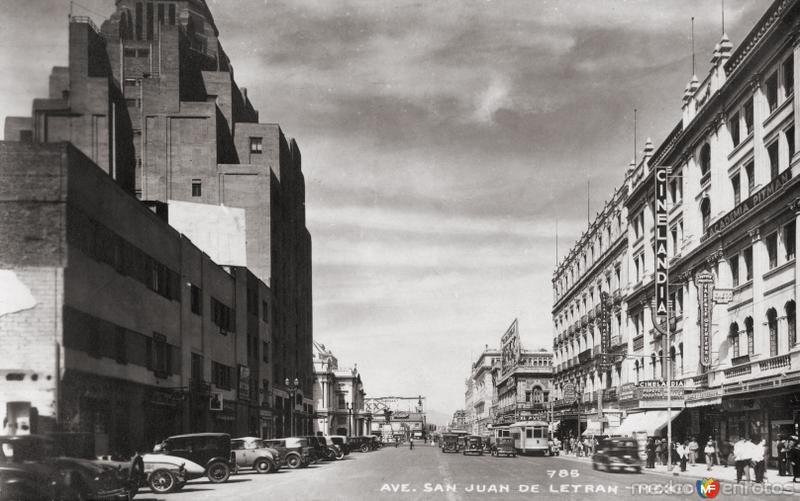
<point>650,422</point>
<point>593,427</point>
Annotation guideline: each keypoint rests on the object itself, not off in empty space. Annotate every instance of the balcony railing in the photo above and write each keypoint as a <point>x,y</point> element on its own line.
<point>738,371</point>
<point>778,362</point>
<point>740,360</point>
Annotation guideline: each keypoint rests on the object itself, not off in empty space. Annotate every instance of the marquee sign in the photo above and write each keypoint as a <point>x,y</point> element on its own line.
<point>511,349</point>
<point>749,204</point>
<point>569,393</point>
<point>661,236</point>
<point>705,296</point>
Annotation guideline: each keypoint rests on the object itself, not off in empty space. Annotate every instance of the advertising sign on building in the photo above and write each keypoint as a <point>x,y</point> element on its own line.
<point>661,236</point>
<point>511,349</point>
<point>244,382</point>
<point>569,393</point>
<point>705,296</point>
<point>604,325</point>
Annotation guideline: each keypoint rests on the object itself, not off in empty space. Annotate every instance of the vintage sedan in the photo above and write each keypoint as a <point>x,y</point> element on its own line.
<point>252,452</point>
<point>450,443</point>
<point>293,452</point>
<point>212,451</point>
<point>473,445</point>
<point>33,468</point>
<point>621,454</point>
<point>504,446</point>
<point>165,473</point>
<point>341,441</point>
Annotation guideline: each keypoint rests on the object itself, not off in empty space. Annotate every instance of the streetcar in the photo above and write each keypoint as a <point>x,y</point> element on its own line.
<point>530,437</point>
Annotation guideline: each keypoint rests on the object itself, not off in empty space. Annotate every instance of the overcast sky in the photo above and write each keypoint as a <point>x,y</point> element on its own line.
<point>441,140</point>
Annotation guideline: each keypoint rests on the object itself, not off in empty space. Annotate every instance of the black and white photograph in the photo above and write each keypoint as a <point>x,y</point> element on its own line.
<point>448,250</point>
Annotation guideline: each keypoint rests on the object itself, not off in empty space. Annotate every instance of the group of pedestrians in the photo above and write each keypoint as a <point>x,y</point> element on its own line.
<point>683,453</point>
<point>579,447</point>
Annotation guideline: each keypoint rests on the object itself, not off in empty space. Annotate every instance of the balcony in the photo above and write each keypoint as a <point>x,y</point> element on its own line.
<point>740,360</point>
<point>585,356</point>
<point>737,371</point>
<point>617,296</point>
<point>778,362</point>
<point>638,343</point>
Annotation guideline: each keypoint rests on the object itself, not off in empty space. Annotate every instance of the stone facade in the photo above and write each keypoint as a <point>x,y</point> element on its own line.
<point>338,397</point>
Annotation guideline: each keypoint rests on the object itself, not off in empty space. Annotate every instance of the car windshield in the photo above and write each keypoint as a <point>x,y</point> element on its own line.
<point>337,440</point>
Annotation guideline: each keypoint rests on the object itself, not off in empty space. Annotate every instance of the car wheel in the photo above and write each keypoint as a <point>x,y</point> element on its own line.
<point>293,461</point>
<point>263,466</point>
<point>340,455</point>
<point>365,448</point>
<point>136,476</point>
<point>161,481</point>
<point>218,472</point>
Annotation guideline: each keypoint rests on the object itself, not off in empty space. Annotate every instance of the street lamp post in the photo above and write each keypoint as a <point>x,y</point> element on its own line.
<point>349,407</point>
<point>292,387</point>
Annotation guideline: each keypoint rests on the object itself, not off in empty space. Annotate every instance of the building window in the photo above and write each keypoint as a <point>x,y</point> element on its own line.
<point>772,323</point>
<point>749,170</point>
<point>676,191</point>
<point>772,250</point>
<point>172,14</point>
<point>149,20</point>
<point>265,352</point>
<point>705,212</point>
<point>222,316</point>
<point>737,189</point>
<point>734,127</point>
<point>197,367</point>
<point>748,327</point>
<point>197,188</point>
<point>265,311</point>
<point>734,264</point>
<point>221,375</point>
<point>789,239</point>
<point>747,254</point>
<point>196,299</point>
<point>788,76</point>
<point>771,90</point>
<point>790,142</point>
<point>161,14</point>
<point>748,117</point>
<point>160,355</point>
<point>139,20</point>
<point>256,145</point>
<point>733,334</point>
<point>772,152</point>
<point>791,324</point>
<point>120,346</point>
<point>705,163</point>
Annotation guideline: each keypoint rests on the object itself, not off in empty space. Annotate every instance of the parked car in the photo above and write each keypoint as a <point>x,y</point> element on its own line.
<point>318,450</point>
<point>617,453</point>
<point>359,444</point>
<point>450,442</point>
<point>32,467</point>
<point>165,473</point>
<point>341,441</point>
<point>212,451</point>
<point>293,452</point>
<point>335,451</point>
<point>504,446</point>
<point>252,452</point>
<point>474,445</point>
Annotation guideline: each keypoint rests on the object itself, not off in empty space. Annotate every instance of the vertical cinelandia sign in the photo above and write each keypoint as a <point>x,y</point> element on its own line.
<point>661,257</point>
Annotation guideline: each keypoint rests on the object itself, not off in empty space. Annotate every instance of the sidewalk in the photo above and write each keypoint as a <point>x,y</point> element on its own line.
<point>717,472</point>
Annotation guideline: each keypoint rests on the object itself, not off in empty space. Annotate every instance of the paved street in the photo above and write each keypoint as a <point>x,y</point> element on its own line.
<point>427,473</point>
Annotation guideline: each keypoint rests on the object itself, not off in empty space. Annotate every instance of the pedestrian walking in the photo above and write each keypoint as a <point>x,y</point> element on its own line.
<point>411,444</point>
<point>396,442</point>
<point>710,451</point>
<point>650,452</point>
<point>742,457</point>
<point>683,453</point>
<point>793,456</point>
<point>758,452</point>
<point>716,450</point>
<point>658,447</point>
<point>782,459</point>
<point>693,448</point>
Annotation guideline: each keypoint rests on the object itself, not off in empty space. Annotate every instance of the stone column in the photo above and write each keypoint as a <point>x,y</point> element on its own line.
<point>794,205</point>
<point>760,113</point>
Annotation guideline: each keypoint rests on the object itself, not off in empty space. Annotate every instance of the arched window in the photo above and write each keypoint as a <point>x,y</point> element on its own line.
<point>636,370</point>
<point>705,163</point>
<point>772,322</point>
<point>791,323</point>
<point>733,334</point>
<point>661,364</point>
<point>538,395</point>
<point>124,34</point>
<point>748,328</point>
<point>680,354</point>
<point>653,364</point>
<point>705,212</point>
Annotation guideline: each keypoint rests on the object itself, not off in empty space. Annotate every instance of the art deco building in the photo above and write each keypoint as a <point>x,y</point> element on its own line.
<point>162,316</point>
